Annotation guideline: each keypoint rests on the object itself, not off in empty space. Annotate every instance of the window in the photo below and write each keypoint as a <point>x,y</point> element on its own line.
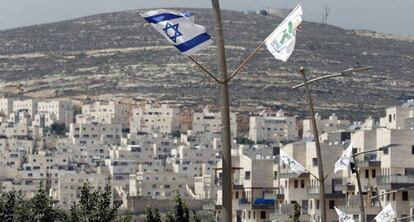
<point>247,175</point>
<point>317,204</point>
<point>412,149</point>
<point>366,173</point>
<point>405,195</point>
<point>331,204</point>
<point>374,173</point>
<point>262,215</point>
<point>302,184</point>
<point>274,175</point>
<point>315,162</point>
<point>296,183</point>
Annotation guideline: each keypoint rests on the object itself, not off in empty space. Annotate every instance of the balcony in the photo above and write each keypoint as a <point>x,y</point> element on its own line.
<point>258,204</point>
<point>395,181</point>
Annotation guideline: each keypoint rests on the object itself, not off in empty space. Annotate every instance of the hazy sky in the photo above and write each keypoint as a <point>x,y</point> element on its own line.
<point>389,16</point>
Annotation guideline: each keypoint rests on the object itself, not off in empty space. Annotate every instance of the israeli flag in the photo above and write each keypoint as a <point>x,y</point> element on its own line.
<point>179,29</point>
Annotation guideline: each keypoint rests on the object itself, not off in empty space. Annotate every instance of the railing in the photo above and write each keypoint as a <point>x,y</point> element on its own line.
<point>258,203</point>
<point>395,179</point>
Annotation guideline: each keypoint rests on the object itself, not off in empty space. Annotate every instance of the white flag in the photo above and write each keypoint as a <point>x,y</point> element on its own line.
<point>343,162</point>
<point>343,217</point>
<point>281,42</point>
<point>387,214</point>
<point>179,29</point>
<point>293,164</point>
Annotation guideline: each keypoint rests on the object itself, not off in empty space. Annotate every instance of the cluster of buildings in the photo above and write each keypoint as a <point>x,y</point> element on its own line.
<point>148,152</point>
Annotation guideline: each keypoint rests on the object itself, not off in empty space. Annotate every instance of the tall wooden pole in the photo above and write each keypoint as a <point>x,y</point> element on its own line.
<point>321,176</point>
<point>361,197</point>
<point>227,185</point>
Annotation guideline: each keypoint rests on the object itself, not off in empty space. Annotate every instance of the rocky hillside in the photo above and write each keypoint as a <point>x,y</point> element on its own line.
<point>118,54</point>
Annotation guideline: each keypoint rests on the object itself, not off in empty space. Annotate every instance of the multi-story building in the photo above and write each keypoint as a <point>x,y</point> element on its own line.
<point>59,111</point>
<point>158,185</point>
<point>107,112</point>
<point>399,117</point>
<point>28,105</point>
<point>153,118</point>
<point>95,133</point>
<point>70,186</point>
<point>6,106</point>
<point>207,121</point>
<point>330,125</point>
<point>273,127</point>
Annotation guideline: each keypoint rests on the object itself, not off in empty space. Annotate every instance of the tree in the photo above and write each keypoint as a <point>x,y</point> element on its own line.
<point>7,205</point>
<point>95,206</point>
<point>296,212</point>
<point>149,215</point>
<point>58,128</point>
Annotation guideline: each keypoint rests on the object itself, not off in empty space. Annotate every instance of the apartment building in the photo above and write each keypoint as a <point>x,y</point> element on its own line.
<point>56,111</point>
<point>155,118</point>
<point>95,133</point>
<point>105,112</point>
<point>332,124</point>
<point>273,127</point>
<point>207,121</point>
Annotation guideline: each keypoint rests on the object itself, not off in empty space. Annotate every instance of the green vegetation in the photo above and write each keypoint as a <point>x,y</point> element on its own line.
<point>93,207</point>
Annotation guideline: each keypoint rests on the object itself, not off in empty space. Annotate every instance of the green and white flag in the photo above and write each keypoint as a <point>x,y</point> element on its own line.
<point>292,163</point>
<point>343,162</point>
<point>343,217</point>
<point>281,42</point>
<point>386,215</point>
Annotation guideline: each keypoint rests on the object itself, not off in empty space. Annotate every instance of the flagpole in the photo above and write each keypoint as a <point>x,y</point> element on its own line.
<point>203,68</point>
<point>247,60</point>
<point>318,148</point>
<point>361,197</point>
<point>227,192</point>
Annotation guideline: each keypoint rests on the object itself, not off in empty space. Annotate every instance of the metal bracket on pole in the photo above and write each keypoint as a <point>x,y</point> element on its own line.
<point>329,172</point>
<point>204,69</point>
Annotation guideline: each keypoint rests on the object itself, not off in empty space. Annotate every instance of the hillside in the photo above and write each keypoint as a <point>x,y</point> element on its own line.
<point>119,54</point>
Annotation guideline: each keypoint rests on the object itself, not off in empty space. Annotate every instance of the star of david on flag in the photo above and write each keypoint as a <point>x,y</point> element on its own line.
<point>174,33</point>
<point>179,29</point>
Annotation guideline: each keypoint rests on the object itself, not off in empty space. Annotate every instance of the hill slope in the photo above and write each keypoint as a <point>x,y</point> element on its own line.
<point>119,54</point>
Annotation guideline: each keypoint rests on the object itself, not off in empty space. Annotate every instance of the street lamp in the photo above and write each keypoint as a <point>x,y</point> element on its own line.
<point>344,73</point>
<point>315,128</point>
<point>389,192</point>
<point>361,197</point>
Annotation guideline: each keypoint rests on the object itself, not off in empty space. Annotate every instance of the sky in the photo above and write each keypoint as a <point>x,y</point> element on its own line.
<point>387,16</point>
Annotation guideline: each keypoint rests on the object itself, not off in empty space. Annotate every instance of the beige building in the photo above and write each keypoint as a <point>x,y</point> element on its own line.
<point>153,118</point>
<point>273,127</point>
<point>95,133</point>
<point>107,112</point>
<point>59,111</point>
<point>332,124</point>
<point>70,186</point>
<point>207,121</point>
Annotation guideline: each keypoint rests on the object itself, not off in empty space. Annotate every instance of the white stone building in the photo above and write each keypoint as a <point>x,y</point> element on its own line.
<point>56,111</point>
<point>107,112</point>
<point>273,127</point>
<point>330,125</point>
<point>207,121</point>
<point>153,118</point>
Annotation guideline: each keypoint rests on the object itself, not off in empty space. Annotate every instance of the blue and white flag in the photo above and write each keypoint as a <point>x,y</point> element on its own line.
<point>179,29</point>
